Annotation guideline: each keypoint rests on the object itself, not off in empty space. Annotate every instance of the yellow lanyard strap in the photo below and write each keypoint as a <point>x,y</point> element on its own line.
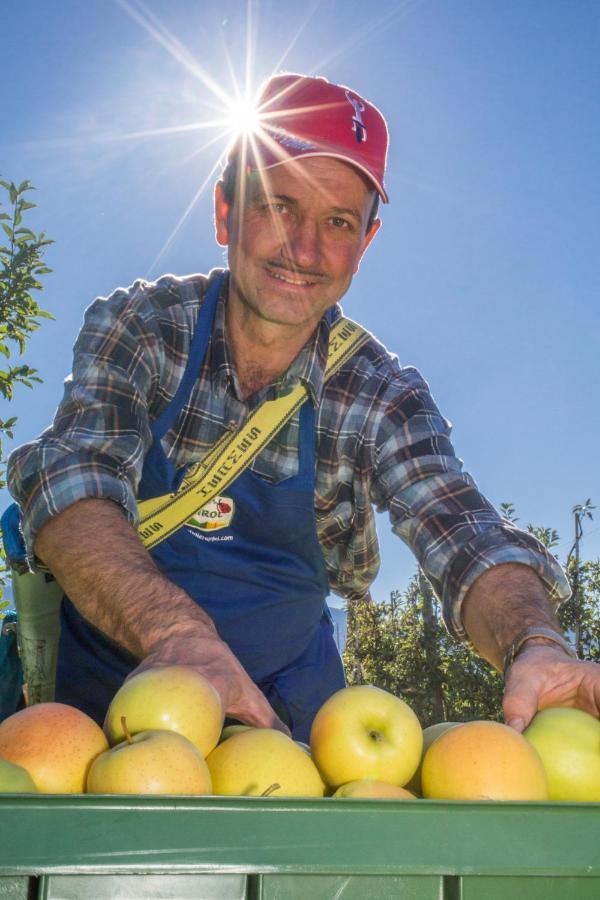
<point>161,516</point>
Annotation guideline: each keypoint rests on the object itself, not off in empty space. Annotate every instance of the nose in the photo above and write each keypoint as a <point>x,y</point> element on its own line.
<point>302,246</point>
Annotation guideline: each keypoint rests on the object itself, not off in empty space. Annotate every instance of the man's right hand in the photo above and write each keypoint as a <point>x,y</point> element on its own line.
<point>212,658</point>
<point>116,586</point>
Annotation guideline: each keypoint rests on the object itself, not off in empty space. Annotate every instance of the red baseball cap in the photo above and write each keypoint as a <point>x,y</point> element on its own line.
<point>301,116</point>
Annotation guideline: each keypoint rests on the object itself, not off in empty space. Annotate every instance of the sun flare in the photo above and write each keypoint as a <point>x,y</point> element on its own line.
<point>236,116</point>
<point>243,117</point>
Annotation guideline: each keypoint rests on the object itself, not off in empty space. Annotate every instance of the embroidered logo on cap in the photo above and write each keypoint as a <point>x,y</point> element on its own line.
<point>289,140</point>
<point>358,126</point>
<point>217,514</point>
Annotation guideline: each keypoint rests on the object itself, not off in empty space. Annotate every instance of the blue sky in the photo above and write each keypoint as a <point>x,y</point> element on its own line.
<point>486,272</point>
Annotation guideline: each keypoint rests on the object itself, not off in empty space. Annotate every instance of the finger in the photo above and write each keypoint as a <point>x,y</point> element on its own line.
<point>263,718</point>
<point>596,694</point>
<point>255,710</point>
<point>520,704</point>
<point>589,693</point>
<point>280,726</point>
<point>275,722</point>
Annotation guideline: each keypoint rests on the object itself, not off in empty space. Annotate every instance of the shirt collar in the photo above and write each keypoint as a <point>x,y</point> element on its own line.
<point>308,367</point>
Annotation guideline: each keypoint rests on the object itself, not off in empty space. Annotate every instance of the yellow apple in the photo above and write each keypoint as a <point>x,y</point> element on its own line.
<point>230,730</point>
<point>369,787</point>
<point>568,741</point>
<point>150,762</point>
<point>429,735</point>
<point>251,762</point>
<point>14,779</point>
<point>55,743</point>
<point>173,698</point>
<point>365,732</point>
<point>483,761</point>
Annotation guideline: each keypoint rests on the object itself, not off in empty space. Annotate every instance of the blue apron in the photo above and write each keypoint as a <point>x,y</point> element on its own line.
<point>251,559</point>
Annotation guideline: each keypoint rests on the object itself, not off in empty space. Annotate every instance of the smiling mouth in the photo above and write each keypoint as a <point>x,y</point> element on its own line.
<point>289,278</point>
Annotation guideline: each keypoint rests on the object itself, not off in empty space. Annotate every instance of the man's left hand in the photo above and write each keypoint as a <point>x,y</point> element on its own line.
<point>543,676</point>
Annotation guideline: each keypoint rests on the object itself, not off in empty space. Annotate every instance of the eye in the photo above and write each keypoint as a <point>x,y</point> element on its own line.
<point>279,208</point>
<point>339,222</point>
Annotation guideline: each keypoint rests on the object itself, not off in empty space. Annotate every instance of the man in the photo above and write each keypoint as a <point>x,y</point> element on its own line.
<point>162,372</point>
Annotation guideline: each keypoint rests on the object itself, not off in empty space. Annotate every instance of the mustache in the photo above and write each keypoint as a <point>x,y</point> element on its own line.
<point>310,274</point>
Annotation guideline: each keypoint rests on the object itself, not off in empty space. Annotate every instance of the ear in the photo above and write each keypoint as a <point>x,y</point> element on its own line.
<point>368,238</point>
<point>222,210</point>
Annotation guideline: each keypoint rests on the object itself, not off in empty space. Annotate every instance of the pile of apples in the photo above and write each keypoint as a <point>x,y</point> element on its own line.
<point>164,734</point>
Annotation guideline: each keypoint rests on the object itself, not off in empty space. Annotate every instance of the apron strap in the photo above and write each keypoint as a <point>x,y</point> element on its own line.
<point>160,516</point>
<point>201,337</point>
<point>306,440</point>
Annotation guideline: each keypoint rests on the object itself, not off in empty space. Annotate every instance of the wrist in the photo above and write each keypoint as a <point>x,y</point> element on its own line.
<point>536,636</point>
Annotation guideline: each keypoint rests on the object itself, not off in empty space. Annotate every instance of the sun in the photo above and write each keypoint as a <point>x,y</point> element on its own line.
<point>236,117</point>
<point>243,117</point>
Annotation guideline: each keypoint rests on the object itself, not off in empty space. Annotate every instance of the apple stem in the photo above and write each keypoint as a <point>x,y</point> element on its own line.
<point>126,729</point>
<point>270,790</point>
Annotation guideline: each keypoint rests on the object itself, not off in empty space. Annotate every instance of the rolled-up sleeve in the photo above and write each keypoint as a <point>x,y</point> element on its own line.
<point>437,509</point>
<point>96,444</point>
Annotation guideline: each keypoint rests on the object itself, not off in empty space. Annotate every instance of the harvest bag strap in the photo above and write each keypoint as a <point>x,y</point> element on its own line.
<point>161,516</point>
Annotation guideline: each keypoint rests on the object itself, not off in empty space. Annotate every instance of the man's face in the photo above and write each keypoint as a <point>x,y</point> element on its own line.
<point>296,239</point>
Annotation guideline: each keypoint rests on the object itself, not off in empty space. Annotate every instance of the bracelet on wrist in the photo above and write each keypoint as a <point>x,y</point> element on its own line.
<point>527,634</point>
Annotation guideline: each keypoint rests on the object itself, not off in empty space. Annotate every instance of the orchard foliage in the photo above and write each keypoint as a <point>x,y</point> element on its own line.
<point>581,614</point>
<point>403,646</point>
<point>21,268</point>
<point>393,646</point>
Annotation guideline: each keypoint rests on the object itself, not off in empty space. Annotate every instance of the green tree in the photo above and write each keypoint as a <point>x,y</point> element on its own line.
<point>580,616</point>
<point>403,646</point>
<point>21,268</point>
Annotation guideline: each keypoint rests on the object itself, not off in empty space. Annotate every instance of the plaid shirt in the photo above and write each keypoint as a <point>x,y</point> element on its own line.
<point>380,441</point>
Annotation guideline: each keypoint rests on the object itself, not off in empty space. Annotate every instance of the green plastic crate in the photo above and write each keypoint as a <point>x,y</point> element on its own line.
<point>121,848</point>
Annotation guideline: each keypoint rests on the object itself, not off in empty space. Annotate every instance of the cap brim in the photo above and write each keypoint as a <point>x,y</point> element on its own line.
<point>347,159</point>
